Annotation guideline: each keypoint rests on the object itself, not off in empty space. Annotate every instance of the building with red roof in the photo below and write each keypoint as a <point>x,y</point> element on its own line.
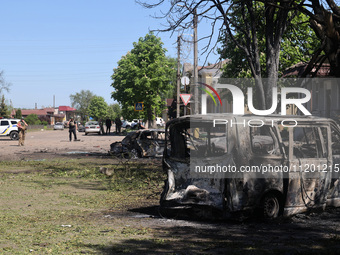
<point>51,115</point>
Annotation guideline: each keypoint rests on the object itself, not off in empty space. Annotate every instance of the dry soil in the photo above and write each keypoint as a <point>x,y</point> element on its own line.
<point>45,144</point>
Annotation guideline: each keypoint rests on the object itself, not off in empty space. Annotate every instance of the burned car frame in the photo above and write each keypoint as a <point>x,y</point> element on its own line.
<point>278,165</point>
<point>140,143</point>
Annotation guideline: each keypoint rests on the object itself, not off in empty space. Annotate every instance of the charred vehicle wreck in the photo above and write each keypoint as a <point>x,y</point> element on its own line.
<point>140,143</point>
<point>276,165</point>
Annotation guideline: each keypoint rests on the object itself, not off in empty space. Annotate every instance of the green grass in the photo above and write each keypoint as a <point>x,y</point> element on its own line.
<point>59,207</point>
<point>68,206</point>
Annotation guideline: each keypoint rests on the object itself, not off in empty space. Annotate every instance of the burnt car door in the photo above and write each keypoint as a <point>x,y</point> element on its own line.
<point>261,184</point>
<point>309,161</point>
<point>195,150</point>
<point>333,198</point>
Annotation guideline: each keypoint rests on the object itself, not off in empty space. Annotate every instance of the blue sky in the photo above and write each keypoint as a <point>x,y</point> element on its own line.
<point>58,48</point>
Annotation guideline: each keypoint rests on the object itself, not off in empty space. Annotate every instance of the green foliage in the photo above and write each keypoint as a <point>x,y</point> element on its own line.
<point>143,75</point>
<point>297,45</point>
<point>4,112</point>
<point>18,114</point>
<point>81,102</point>
<point>114,111</point>
<point>98,108</point>
<point>32,119</point>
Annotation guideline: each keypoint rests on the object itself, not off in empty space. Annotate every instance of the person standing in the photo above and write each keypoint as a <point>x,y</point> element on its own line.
<point>22,125</point>
<point>108,124</point>
<point>72,129</point>
<point>101,125</point>
<point>118,125</point>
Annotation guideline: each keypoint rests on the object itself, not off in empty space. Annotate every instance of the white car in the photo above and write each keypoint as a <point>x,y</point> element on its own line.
<point>127,124</point>
<point>160,122</point>
<point>58,126</point>
<point>8,127</point>
<point>134,123</point>
<point>92,127</point>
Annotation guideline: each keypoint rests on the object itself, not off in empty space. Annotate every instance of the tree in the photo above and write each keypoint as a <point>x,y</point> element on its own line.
<point>326,24</point>
<point>32,119</point>
<point>144,74</point>
<point>3,108</point>
<point>114,111</point>
<point>98,108</point>
<point>298,45</point>
<point>81,102</point>
<point>270,16</point>
<point>18,114</point>
<point>4,86</point>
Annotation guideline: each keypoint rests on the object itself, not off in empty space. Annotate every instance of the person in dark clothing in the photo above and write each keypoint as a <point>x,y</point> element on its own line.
<point>118,125</point>
<point>108,124</point>
<point>101,124</point>
<point>72,129</point>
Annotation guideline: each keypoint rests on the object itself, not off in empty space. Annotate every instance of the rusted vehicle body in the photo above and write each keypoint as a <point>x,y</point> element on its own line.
<point>140,143</point>
<point>278,165</point>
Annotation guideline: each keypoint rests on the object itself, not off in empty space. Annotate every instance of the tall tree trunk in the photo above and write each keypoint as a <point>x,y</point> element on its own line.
<point>150,117</point>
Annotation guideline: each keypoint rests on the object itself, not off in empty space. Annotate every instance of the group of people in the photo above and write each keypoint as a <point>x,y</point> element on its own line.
<point>109,123</point>
<point>22,126</point>
<point>73,127</point>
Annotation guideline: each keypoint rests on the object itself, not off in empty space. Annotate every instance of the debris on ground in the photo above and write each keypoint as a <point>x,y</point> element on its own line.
<point>140,143</point>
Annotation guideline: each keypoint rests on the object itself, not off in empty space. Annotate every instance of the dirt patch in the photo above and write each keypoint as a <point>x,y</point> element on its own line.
<point>49,144</point>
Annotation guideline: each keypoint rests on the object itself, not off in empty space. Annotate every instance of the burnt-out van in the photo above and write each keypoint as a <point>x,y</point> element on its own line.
<point>276,165</point>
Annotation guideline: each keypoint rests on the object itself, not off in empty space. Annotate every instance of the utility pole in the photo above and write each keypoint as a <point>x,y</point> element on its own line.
<point>178,75</point>
<point>196,110</point>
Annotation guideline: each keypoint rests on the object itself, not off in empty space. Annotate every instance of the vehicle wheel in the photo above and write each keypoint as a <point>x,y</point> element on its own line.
<point>86,133</point>
<point>127,126</point>
<point>271,206</point>
<point>14,135</point>
<point>164,192</point>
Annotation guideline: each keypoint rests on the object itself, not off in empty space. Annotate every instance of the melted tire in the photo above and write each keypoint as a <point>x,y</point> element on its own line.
<point>271,206</point>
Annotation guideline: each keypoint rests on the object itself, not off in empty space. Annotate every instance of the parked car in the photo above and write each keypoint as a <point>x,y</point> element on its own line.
<point>130,124</point>
<point>229,164</point>
<point>58,126</point>
<point>141,143</point>
<point>81,128</point>
<point>92,127</point>
<point>126,124</point>
<point>160,122</point>
<point>8,127</point>
<point>134,124</point>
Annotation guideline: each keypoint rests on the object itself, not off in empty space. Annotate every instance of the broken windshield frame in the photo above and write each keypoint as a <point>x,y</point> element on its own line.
<point>197,139</point>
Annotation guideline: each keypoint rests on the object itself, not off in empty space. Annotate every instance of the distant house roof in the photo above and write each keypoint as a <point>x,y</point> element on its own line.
<point>297,69</point>
<point>39,112</point>
<point>64,108</point>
